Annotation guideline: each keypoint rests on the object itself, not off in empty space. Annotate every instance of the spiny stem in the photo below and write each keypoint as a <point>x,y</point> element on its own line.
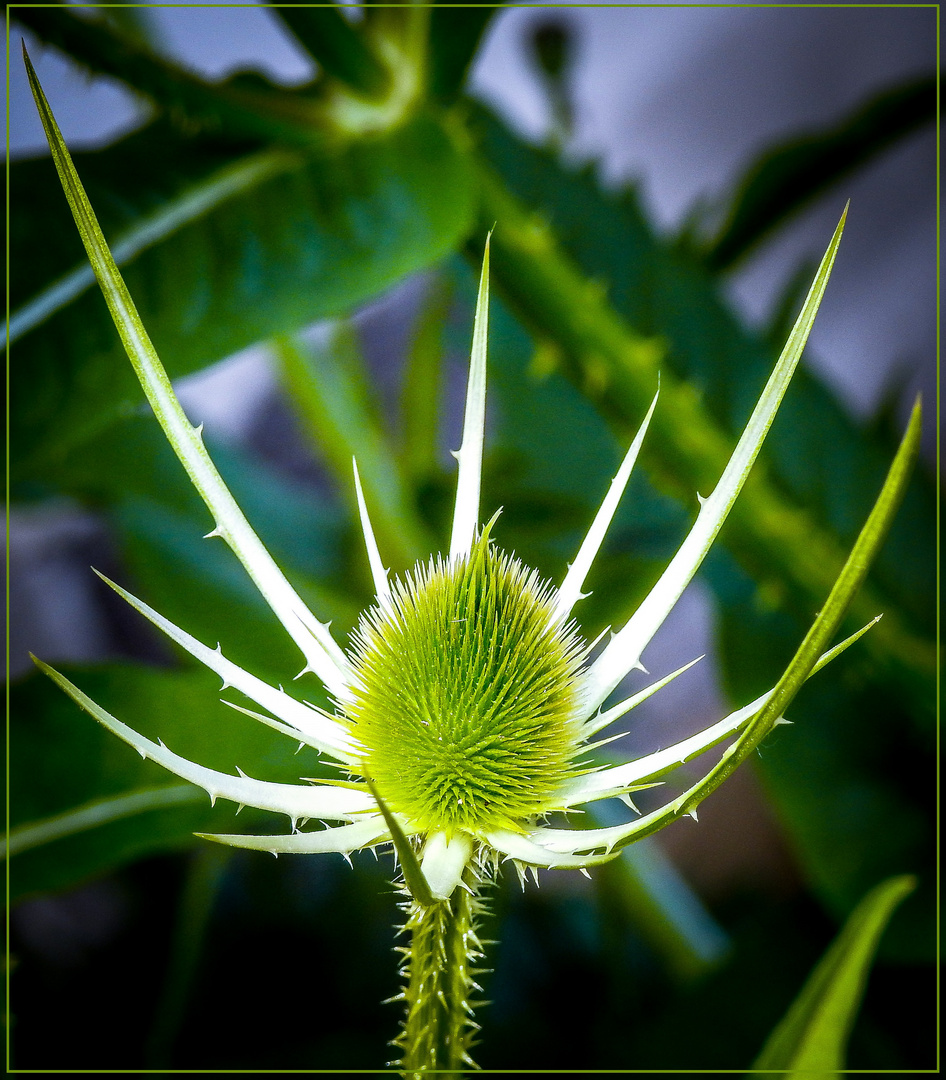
<point>439,973</point>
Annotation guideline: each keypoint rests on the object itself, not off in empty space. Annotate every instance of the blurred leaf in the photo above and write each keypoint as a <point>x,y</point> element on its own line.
<point>132,22</point>
<point>145,187</point>
<point>455,35</point>
<point>328,384</point>
<point>206,872</point>
<point>657,900</point>
<point>422,392</point>
<point>95,814</point>
<point>792,173</point>
<point>64,761</point>
<point>552,44</point>
<point>338,46</point>
<point>811,1039</point>
<point>321,236</point>
<point>246,106</point>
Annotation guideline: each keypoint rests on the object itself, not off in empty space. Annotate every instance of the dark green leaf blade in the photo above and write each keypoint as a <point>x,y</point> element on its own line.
<point>413,874</point>
<point>810,1041</point>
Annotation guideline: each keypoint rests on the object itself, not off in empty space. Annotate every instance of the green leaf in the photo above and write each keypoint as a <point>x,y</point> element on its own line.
<point>205,875</point>
<point>146,187</point>
<point>792,173</point>
<point>100,812</point>
<point>663,907</point>
<point>810,1041</point>
<point>311,238</point>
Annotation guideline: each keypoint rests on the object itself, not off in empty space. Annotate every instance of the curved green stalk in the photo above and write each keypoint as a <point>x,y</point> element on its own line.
<point>94,814</point>
<point>439,976</point>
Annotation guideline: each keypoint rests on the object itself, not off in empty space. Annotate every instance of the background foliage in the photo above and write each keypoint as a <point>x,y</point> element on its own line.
<point>246,211</point>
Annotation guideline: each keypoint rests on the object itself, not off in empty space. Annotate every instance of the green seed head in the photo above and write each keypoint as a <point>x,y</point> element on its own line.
<point>468,694</point>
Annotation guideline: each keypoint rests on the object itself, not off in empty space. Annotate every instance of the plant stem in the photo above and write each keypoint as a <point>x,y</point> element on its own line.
<point>439,974</point>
